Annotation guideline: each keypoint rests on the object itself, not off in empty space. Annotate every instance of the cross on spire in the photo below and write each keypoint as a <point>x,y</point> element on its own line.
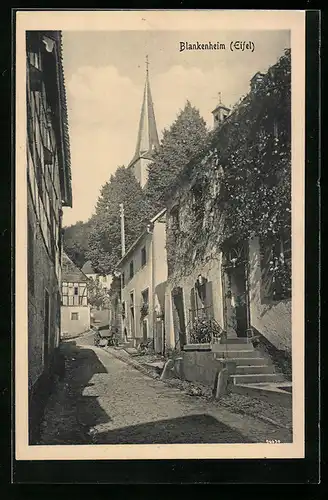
<point>220,100</point>
<point>147,64</point>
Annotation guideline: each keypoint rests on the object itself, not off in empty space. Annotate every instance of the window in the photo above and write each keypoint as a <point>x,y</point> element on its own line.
<point>145,296</point>
<point>122,280</point>
<point>76,290</point>
<point>74,316</point>
<point>144,309</point>
<point>143,256</point>
<point>131,269</point>
<point>131,299</point>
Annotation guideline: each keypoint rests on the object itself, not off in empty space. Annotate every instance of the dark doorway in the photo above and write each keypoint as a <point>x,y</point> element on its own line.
<point>235,290</point>
<point>179,316</point>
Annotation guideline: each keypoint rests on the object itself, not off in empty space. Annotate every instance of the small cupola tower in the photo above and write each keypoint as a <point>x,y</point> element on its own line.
<point>220,112</point>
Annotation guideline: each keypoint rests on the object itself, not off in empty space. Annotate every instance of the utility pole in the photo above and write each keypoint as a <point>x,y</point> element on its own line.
<point>122,229</point>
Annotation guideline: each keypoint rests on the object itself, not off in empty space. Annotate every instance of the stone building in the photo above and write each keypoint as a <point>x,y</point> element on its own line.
<point>143,271</point>
<point>48,191</point>
<point>236,285</point>
<point>75,308</point>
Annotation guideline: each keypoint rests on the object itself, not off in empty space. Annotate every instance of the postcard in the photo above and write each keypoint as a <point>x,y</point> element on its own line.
<point>159,234</point>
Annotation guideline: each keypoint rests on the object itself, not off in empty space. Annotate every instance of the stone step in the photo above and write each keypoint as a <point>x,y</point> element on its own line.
<point>249,361</point>
<point>237,354</point>
<point>257,377</point>
<point>232,347</point>
<point>253,369</point>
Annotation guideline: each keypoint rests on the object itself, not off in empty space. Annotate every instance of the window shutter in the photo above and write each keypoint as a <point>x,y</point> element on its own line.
<point>209,300</point>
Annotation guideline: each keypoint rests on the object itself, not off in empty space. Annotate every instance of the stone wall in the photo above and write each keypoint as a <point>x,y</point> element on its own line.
<point>201,367</point>
<point>44,278</point>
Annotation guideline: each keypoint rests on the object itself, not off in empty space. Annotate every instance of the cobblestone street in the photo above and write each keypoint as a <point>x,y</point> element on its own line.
<point>103,400</point>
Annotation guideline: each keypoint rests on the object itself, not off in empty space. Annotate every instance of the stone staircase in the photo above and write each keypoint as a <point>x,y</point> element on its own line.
<point>251,368</point>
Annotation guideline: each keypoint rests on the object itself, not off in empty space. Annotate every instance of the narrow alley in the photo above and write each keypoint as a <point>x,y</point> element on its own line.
<point>103,400</point>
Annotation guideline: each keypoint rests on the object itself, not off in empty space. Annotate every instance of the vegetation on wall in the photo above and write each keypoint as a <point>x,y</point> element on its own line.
<point>242,185</point>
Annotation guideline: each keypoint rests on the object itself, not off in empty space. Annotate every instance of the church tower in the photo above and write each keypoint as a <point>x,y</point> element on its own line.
<point>147,140</point>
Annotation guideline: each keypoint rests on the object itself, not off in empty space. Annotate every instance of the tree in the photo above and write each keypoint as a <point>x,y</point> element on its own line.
<point>183,140</point>
<point>75,241</point>
<point>104,249</point>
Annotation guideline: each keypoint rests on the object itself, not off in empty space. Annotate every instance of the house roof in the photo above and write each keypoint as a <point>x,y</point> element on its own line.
<point>87,268</point>
<point>139,239</point>
<point>70,272</point>
<point>147,140</point>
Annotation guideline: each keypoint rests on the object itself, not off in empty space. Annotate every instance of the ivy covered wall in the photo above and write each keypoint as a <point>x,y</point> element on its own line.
<point>239,186</point>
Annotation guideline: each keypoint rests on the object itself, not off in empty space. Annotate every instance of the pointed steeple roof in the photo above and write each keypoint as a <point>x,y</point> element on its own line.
<point>147,139</point>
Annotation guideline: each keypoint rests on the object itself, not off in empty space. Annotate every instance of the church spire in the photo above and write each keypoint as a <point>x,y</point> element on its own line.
<point>147,139</point>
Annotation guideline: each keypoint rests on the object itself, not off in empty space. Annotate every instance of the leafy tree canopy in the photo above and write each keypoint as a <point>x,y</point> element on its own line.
<point>183,140</point>
<point>98,297</point>
<point>105,238</point>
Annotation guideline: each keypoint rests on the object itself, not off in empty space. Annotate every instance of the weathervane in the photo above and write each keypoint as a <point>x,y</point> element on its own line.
<point>147,64</point>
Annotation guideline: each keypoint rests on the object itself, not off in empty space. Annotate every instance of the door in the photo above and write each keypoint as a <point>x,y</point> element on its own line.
<point>132,316</point>
<point>235,291</point>
<point>179,316</point>
<point>46,333</point>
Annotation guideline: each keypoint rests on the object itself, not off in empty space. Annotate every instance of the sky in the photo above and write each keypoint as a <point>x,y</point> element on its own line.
<point>105,76</point>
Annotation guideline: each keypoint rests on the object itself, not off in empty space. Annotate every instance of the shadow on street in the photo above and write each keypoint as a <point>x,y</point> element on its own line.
<point>69,413</point>
<point>72,417</point>
<point>189,429</point>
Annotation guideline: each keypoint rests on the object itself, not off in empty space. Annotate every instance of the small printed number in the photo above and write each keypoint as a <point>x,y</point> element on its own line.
<point>272,441</point>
